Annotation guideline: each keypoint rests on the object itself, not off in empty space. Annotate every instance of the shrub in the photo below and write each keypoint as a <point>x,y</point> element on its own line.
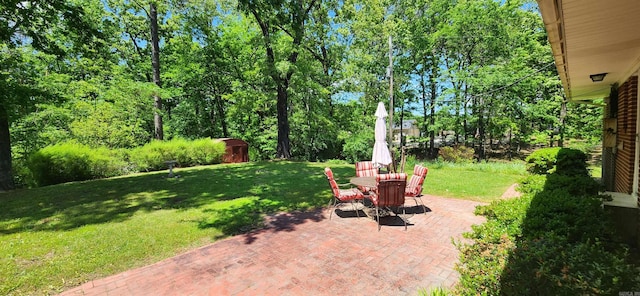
<point>71,161</point>
<point>152,156</point>
<point>456,154</point>
<point>577,218</point>
<point>564,161</point>
<point>572,162</point>
<point>542,161</point>
<point>577,185</point>
<point>205,151</point>
<point>553,265</point>
<point>554,240</point>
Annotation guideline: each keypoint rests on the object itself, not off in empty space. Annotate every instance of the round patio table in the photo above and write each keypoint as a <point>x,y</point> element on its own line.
<point>364,181</point>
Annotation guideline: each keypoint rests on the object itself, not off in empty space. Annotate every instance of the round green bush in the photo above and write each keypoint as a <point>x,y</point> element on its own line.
<point>564,161</point>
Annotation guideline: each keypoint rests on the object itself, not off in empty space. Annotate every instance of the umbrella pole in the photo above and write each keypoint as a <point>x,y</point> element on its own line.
<point>392,166</point>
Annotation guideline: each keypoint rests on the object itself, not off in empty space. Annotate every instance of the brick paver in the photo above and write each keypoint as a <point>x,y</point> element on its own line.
<point>306,253</point>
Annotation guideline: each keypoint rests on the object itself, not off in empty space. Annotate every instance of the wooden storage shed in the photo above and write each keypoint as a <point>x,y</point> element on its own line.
<point>237,150</point>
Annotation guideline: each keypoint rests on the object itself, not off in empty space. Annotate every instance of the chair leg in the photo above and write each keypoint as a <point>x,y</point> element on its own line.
<point>332,209</point>
<point>404,214</point>
<point>415,199</point>
<point>378,216</point>
<point>356,209</point>
<point>424,208</point>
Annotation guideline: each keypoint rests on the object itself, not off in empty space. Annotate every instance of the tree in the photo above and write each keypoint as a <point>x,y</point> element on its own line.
<point>155,64</point>
<point>29,22</point>
<point>284,17</point>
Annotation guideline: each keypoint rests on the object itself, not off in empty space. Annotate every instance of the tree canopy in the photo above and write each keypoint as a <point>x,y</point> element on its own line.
<point>294,78</point>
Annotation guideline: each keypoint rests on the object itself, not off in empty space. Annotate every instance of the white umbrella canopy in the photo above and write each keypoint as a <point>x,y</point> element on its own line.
<point>381,155</point>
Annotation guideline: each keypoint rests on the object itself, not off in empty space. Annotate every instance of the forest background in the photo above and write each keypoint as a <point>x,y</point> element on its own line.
<point>296,79</point>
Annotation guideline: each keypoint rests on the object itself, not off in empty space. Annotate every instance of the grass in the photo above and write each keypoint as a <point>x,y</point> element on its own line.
<point>483,182</point>
<point>57,237</point>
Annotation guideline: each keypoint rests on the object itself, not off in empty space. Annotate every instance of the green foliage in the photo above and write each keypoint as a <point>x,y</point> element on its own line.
<point>532,184</point>
<point>578,185</point>
<point>542,161</point>
<point>219,82</point>
<point>572,162</point>
<point>554,240</point>
<point>564,161</point>
<point>205,151</point>
<point>576,218</point>
<point>358,146</point>
<point>439,291</point>
<point>71,161</point>
<point>553,265</point>
<point>458,154</point>
<point>152,156</point>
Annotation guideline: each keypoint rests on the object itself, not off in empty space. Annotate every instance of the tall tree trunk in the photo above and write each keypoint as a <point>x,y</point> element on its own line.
<point>6,175</point>
<point>155,63</point>
<point>465,107</point>
<point>481,129</point>
<point>283,149</point>
<point>432,114</point>
<point>423,94</point>
<point>222,115</point>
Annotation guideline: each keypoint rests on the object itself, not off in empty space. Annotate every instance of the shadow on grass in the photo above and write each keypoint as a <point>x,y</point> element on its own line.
<point>231,197</point>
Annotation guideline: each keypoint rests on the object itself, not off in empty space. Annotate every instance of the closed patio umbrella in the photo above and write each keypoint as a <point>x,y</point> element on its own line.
<point>381,155</point>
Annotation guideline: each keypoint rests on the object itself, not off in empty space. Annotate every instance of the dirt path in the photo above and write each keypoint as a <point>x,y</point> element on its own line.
<point>511,192</point>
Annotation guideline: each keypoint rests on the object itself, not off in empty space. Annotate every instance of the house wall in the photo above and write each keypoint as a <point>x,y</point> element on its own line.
<point>625,148</point>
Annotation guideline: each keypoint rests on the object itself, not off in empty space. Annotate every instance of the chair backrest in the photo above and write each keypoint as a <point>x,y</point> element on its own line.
<point>366,169</point>
<point>391,176</point>
<point>332,182</point>
<point>391,193</point>
<point>414,186</point>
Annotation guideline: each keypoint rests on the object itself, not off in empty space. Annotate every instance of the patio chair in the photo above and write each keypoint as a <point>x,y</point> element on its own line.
<point>389,193</point>
<point>365,169</point>
<point>342,195</point>
<point>414,186</point>
<point>391,176</point>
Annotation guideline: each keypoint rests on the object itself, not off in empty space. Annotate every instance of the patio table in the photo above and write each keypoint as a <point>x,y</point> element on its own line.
<point>364,181</point>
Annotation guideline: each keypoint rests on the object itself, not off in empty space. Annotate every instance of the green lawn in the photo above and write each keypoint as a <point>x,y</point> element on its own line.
<point>56,237</point>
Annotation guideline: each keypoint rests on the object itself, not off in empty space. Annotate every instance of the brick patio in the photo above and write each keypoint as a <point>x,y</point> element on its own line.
<point>308,254</point>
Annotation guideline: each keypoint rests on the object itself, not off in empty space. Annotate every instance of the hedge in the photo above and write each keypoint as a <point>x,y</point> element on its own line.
<point>71,161</point>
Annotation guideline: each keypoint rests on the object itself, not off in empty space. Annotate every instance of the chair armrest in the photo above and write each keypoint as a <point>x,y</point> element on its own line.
<point>344,185</point>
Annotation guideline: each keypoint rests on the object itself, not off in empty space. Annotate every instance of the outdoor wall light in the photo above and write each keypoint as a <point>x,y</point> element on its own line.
<point>597,77</point>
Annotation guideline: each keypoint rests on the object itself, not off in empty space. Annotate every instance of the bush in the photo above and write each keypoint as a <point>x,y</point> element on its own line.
<point>542,161</point>
<point>205,151</point>
<point>552,265</point>
<point>564,161</point>
<point>456,154</point>
<point>554,240</point>
<point>71,161</point>
<point>152,156</point>
<point>578,185</point>
<point>572,162</point>
<point>576,218</point>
